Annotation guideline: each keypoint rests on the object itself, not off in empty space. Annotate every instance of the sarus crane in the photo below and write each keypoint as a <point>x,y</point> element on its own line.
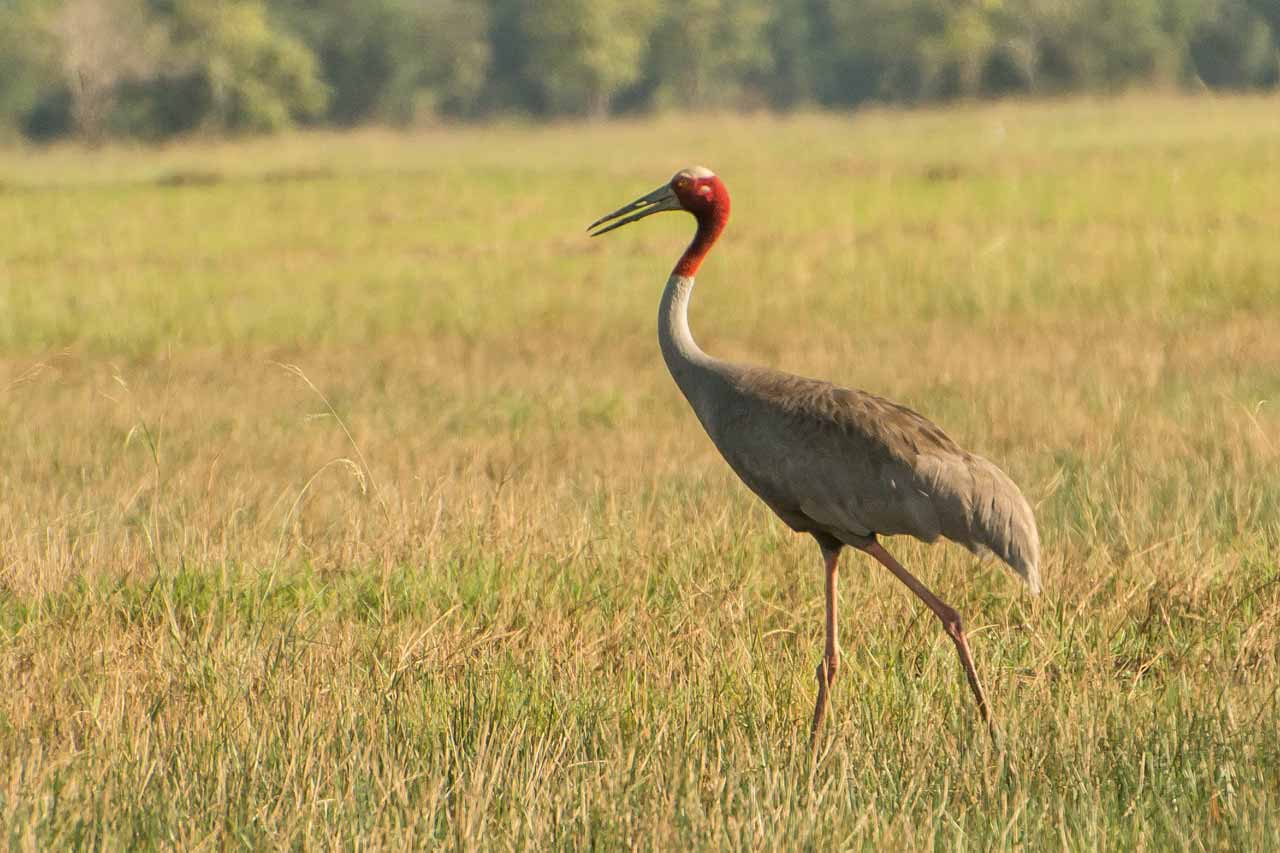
<point>842,465</point>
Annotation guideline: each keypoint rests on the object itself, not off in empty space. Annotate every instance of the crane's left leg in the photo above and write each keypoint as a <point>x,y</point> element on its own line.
<point>949,617</point>
<point>831,654</point>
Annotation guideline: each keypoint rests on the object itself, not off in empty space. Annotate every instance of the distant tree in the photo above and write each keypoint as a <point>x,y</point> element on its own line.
<point>32,84</point>
<point>904,50</point>
<point>354,44</point>
<point>791,41</point>
<point>251,75</point>
<point>582,52</point>
<point>710,53</point>
<point>953,57</point>
<point>394,60</point>
<point>1269,11</point>
<point>104,43</point>
<point>1013,57</point>
<point>442,61</point>
<point>1233,48</point>
<point>1105,44</point>
<point>509,86</point>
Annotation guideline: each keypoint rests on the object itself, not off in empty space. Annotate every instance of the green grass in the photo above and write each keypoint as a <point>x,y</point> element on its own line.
<point>344,498</point>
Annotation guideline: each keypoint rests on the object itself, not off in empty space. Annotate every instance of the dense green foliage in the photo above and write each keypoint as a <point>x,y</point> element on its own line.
<point>158,67</point>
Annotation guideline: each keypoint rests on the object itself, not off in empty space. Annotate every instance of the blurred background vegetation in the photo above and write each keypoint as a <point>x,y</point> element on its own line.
<point>151,69</point>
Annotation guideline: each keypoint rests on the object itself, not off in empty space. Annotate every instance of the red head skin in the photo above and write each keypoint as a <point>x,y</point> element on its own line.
<point>708,200</point>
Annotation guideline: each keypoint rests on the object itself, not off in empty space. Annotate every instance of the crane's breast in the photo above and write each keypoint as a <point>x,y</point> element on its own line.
<point>812,483</point>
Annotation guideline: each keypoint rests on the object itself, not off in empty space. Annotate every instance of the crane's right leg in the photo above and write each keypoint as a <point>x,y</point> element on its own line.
<point>831,654</point>
<point>949,617</point>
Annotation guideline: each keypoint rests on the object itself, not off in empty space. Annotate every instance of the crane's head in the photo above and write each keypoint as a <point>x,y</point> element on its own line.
<point>696,190</point>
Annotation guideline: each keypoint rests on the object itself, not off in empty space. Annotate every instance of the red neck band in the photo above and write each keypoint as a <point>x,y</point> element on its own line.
<point>711,223</point>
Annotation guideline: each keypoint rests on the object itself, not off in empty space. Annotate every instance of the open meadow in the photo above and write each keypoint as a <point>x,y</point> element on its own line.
<point>345,498</point>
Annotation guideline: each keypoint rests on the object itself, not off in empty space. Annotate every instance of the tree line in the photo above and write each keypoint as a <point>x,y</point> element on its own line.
<point>156,68</point>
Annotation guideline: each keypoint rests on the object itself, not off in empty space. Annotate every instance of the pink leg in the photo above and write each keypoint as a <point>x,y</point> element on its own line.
<point>950,621</point>
<point>831,658</point>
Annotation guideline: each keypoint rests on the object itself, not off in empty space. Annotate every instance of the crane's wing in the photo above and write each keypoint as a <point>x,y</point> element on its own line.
<point>850,464</point>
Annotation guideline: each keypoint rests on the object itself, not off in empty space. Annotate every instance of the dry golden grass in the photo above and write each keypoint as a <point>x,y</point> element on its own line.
<point>345,499</point>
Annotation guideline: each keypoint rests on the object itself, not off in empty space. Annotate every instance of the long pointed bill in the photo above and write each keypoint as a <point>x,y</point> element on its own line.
<point>659,200</point>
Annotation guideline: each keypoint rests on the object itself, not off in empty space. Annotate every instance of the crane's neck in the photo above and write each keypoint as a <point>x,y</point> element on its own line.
<point>691,368</point>
<point>680,351</point>
<point>695,372</point>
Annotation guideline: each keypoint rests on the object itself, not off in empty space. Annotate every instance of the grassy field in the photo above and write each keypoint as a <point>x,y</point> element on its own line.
<point>344,497</point>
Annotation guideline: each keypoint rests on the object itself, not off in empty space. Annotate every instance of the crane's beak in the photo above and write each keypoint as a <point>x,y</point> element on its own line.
<point>655,202</point>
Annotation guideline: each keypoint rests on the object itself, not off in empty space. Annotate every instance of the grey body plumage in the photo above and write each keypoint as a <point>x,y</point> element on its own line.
<point>845,465</point>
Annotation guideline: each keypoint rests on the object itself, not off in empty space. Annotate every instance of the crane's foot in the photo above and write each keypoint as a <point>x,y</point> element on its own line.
<point>826,676</point>
<point>820,708</point>
<point>951,623</point>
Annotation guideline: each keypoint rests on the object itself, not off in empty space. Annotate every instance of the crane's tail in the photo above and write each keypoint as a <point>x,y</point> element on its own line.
<point>1001,521</point>
<point>979,507</point>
